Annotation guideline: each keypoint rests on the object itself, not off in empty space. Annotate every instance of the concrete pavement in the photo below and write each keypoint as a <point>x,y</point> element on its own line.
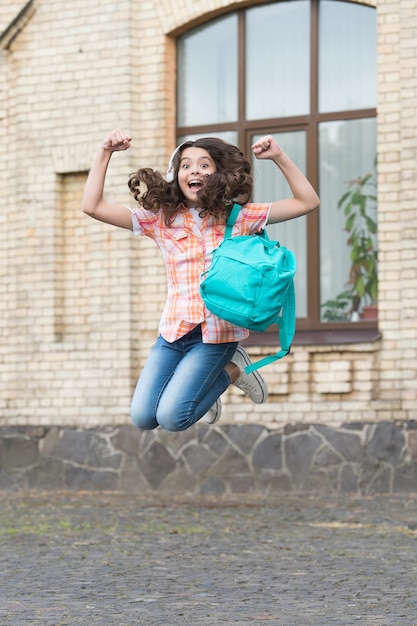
<point>106,559</point>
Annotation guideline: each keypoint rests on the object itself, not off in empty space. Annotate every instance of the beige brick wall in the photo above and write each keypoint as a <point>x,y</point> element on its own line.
<point>81,300</point>
<point>397,207</point>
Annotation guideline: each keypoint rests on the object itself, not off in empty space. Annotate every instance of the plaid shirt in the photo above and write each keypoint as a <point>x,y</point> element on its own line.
<point>186,248</point>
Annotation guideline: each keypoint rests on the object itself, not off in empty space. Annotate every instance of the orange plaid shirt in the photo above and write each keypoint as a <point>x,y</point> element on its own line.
<point>186,248</point>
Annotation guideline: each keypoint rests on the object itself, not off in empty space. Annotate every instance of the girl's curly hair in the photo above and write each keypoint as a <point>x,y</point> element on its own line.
<point>231,182</point>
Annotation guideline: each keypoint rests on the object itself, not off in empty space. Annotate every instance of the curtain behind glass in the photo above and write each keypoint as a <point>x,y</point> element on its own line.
<point>207,76</point>
<point>347,151</point>
<point>278,60</point>
<point>270,185</point>
<point>347,56</point>
<point>227,135</point>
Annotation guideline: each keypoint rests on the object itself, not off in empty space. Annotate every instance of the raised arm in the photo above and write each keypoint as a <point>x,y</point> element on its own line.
<point>304,198</point>
<point>93,203</point>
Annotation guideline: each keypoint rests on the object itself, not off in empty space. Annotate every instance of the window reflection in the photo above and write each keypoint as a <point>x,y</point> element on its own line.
<point>347,56</point>
<point>229,136</point>
<point>278,60</point>
<point>347,151</point>
<point>207,76</point>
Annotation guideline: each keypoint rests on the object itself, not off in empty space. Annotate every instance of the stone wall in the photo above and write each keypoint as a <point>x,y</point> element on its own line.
<point>360,458</point>
<point>81,300</point>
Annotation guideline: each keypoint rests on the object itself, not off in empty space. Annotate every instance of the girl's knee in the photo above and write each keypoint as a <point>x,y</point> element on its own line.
<point>174,421</point>
<point>169,421</point>
<point>143,421</point>
<point>168,416</point>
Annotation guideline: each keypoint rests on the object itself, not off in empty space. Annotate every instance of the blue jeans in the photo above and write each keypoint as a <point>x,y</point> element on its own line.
<point>180,382</point>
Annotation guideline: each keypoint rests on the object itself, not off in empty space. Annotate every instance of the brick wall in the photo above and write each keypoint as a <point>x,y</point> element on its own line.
<point>397,164</point>
<point>82,300</point>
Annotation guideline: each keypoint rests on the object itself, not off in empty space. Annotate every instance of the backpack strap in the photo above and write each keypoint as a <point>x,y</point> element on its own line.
<point>231,220</point>
<point>286,328</point>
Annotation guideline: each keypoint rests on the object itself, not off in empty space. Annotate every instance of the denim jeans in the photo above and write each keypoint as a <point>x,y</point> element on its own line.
<point>180,382</point>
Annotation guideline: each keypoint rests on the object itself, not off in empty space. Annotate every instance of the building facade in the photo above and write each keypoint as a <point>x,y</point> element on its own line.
<point>81,300</point>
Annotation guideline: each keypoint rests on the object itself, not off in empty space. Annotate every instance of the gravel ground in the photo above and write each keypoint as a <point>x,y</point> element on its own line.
<point>117,560</point>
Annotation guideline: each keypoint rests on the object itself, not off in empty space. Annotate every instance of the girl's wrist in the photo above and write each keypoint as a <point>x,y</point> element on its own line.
<point>279,157</point>
<point>105,152</point>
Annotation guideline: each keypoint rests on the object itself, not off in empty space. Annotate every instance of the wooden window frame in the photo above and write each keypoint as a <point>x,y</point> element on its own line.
<point>310,329</point>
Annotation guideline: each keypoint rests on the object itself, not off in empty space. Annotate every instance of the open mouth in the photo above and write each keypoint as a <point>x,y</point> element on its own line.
<point>195,184</point>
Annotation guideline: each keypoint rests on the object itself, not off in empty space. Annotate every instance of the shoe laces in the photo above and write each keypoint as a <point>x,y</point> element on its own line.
<point>245,385</point>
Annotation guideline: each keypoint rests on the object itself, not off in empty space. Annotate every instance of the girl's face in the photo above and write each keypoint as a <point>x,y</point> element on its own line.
<point>196,165</point>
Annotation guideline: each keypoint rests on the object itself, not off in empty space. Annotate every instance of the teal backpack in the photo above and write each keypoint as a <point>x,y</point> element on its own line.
<point>251,284</point>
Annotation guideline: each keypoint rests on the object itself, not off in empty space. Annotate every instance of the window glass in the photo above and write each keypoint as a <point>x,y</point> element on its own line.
<point>278,60</point>
<point>207,76</point>
<point>347,56</point>
<point>306,72</point>
<point>347,152</point>
<point>270,185</point>
<point>229,136</point>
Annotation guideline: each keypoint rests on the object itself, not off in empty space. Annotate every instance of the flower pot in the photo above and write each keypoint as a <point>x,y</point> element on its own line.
<point>369,312</point>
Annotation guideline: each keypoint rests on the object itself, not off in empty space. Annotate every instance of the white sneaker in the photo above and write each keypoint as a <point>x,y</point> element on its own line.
<point>252,385</point>
<point>213,414</point>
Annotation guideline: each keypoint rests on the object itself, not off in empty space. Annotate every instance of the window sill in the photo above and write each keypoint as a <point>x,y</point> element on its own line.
<point>325,336</point>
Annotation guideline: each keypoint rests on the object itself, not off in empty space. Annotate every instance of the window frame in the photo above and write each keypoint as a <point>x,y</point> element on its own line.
<point>310,329</point>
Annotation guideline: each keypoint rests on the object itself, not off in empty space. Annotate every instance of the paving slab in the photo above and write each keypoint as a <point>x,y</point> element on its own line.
<point>110,559</point>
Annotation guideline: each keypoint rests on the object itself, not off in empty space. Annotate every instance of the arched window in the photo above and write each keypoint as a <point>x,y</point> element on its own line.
<point>304,71</point>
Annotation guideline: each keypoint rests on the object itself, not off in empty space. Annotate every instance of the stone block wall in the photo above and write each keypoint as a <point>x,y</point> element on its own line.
<point>361,458</point>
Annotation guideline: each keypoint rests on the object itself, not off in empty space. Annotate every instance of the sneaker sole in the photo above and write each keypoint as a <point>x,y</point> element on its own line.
<point>218,405</point>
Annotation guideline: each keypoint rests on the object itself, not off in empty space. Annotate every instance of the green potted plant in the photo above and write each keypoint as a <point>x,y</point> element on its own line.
<point>359,298</point>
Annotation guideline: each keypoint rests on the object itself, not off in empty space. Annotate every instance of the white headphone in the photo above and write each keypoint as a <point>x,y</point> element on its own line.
<point>170,170</point>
